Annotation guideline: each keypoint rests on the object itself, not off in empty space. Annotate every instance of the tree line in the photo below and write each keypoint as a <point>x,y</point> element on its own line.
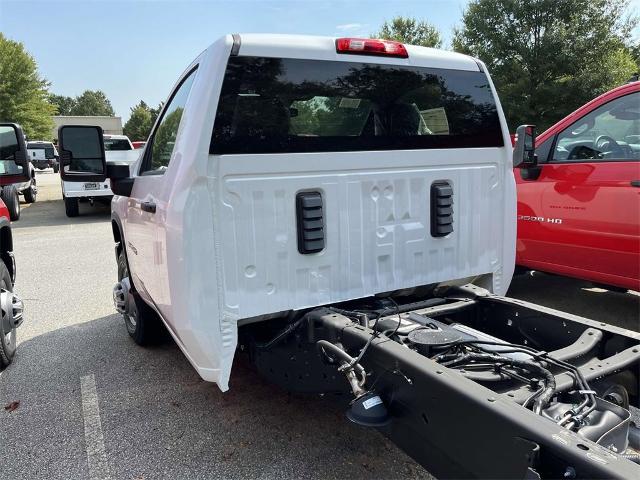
<point>546,58</point>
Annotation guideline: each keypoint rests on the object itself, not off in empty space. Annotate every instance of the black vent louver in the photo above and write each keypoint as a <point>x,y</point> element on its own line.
<point>441,209</point>
<point>310,216</point>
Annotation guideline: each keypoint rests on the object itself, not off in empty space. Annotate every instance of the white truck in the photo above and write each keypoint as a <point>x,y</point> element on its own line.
<point>118,149</point>
<point>43,155</point>
<point>342,211</point>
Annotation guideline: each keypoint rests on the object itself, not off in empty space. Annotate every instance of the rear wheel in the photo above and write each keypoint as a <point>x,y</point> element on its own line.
<point>7,330</point>
<point>142,322</point>
<point>10,198</point>
<point>31,192</point>
<point>71,207</point>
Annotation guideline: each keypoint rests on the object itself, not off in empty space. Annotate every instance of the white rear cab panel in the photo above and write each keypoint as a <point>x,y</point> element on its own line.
<point>225,245</point>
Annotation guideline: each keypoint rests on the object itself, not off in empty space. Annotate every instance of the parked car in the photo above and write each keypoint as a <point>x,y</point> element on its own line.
<point>119,149</point>
<point>43,155</point>
<point>13,155</point>
<point>579,204</point>
<point>322,205</point>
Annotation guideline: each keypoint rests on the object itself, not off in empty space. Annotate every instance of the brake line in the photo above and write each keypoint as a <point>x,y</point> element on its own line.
<point>579,379</point>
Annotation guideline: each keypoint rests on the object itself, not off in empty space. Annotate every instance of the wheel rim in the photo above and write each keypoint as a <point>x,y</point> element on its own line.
<point>132,315</point>
<point>8,329</point>
<point>132,310</point>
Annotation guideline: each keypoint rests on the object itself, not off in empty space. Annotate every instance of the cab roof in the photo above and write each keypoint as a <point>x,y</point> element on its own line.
<point>115,137</point>
<point>324,48</point>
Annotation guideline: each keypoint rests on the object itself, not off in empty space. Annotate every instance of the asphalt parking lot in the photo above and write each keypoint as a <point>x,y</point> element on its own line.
<point>156,418</point>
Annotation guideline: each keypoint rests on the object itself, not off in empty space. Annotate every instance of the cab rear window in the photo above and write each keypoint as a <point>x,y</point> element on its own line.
<point>281,105</point>
<point>48,149</point>
<point>111,144</point>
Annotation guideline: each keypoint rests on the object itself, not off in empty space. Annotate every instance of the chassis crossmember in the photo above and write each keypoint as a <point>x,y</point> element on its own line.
<point>458,416</point>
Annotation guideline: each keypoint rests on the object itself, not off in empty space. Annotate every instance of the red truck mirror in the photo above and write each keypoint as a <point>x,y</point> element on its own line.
<point>81,150</point>
<point>14,161</point>
<point>524,152</point>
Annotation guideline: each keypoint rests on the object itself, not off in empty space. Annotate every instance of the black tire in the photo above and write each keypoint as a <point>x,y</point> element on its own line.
<point>31,192</point>
<point>520,271</point>
<point>7,342</point>
<point>71,207</point>
<point>143,324</point>
<point>56,168</point>
<point>10,198</point>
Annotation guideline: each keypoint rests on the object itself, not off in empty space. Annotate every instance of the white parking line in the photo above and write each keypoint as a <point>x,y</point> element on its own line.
<point>93,439</point>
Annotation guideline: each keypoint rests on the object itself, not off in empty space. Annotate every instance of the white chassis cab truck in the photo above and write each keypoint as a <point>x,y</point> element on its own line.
<point>119,150</point>
<point>342,212</point>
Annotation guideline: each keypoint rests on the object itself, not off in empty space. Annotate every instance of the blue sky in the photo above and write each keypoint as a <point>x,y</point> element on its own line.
<point>135,50</point>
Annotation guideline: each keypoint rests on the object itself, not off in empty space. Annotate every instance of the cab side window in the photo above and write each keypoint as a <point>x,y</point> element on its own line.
<point>164,137</point>
<point>610,132</point>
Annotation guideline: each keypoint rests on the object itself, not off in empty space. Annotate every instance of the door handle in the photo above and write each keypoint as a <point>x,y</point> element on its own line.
<point>148,207</point>
<point>635,183</point>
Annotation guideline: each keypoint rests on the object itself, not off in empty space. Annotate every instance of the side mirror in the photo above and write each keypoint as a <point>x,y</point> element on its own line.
<point>14,160</point>
<point>81,150</point>
<point>524,152</point>
<point>121,179</point>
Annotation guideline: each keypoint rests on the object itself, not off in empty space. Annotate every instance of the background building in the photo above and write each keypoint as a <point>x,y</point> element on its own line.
<point>110,125</point>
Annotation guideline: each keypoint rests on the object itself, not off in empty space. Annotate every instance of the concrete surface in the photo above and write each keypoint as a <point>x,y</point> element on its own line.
<point>156,418</point>
<point>578,297</point>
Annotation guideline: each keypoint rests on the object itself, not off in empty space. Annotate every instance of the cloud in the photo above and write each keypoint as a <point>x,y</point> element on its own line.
<point>349,27</point>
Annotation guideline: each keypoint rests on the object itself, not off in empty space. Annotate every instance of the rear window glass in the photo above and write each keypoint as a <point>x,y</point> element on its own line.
<point>117,144</point>
<point>276,105</point>
<point>48,148</point>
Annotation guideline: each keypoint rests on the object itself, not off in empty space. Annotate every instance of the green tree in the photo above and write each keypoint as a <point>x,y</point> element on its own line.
<point>634,50</point>
<point>548,57</point>
<point>155,112</point>
<point>411,31</point>
<point>92,103</point>
<point>23,92</point>
<point>63,103</point>
<point>140,122</point>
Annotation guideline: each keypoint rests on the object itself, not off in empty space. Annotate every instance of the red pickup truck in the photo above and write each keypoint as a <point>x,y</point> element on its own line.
<point>14,164</point>
<point>579,205</point>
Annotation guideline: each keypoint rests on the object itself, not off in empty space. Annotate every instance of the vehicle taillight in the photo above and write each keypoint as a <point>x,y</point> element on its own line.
<point>368,46</point>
